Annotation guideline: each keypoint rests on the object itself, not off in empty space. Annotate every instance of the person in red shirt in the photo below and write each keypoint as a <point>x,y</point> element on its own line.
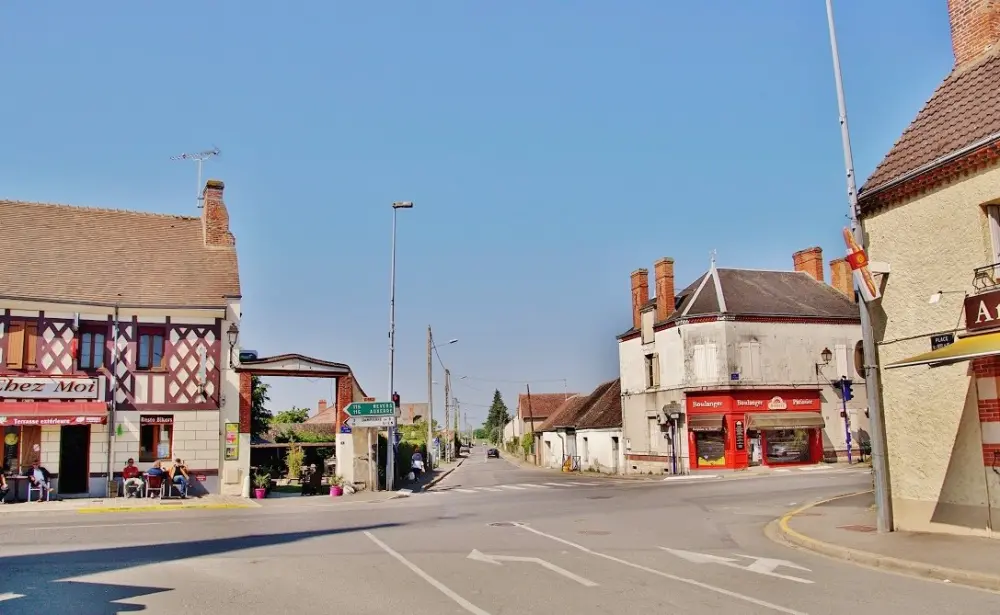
<point>130,478</point>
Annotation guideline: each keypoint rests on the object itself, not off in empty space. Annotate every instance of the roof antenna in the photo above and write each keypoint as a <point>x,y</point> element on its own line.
<point>200,157</point>
<point>711,256</point>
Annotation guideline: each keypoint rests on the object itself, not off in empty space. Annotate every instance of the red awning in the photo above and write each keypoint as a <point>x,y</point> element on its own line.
<point>53,413</point>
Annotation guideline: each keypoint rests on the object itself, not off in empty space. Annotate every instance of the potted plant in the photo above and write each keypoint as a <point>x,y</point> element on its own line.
<point>261,483</point>
<point>336,486</point>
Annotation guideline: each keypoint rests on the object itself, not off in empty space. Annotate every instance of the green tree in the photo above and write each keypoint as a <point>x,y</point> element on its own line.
<point>260,416</point>
<point>292,415</point>
<point>417,432</point>
<point>496,419</point>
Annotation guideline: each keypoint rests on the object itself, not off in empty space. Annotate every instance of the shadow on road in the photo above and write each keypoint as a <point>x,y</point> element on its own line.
<point>36,578</point>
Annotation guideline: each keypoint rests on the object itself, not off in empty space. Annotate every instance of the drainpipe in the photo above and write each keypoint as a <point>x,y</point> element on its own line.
<point>113,404</point>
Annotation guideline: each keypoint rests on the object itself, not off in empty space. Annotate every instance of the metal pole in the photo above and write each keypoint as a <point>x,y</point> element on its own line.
<point>847,419</point>
<point>113,406</point>
<point>430,397</point>
<point>880,465</point>
<point>447,416</point>
<point>390,441</point>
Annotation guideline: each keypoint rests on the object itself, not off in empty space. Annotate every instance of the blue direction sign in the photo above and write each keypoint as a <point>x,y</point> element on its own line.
<point>371,408</point>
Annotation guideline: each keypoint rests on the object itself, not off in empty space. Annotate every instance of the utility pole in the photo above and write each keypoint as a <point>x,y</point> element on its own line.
<point>430,398</point>
<point>531,419</point>
<point>880,465</point>
<point>447,416</point>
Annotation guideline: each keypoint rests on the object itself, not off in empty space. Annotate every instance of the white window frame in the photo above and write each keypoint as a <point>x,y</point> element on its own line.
<point>651,375</point>
<point>993,215</point>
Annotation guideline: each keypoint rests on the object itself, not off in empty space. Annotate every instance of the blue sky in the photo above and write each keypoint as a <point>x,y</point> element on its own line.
<point>550,147</point>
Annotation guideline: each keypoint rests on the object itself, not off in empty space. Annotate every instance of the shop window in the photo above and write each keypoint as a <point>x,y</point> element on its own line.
<point>787,446</point>
<point>92,348</point>
<point>710,448</point>
<point>11,448</point>
<point>652,371</point>
<point>22,341</point>
<point>150,352</point>
<point>156,438</point>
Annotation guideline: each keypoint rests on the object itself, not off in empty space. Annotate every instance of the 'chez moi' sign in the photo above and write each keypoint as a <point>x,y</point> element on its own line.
<point>982,311</point>
<point>31,387</point>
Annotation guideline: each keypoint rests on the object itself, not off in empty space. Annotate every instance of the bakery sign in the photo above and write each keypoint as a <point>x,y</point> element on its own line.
<point>982,311</point>
<point>32,387</point>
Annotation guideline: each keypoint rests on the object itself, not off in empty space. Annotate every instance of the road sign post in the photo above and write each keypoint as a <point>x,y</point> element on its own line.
<point>371,415</point>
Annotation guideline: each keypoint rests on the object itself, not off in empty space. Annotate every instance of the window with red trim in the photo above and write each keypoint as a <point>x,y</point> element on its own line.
<point>150,349</point>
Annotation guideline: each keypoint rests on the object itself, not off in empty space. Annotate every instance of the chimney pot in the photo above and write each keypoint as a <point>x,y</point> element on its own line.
<point>810,261</point>
<point>975,28</point>
<point>640,294</point>
<point>322,406</point>
<point>215,216</point>
<point>842,278</point>
<point>664,272</point>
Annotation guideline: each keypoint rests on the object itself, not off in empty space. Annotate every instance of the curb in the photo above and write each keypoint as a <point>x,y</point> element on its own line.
<point>405,493</point>
<point>159,508</point>
<point>780,532</point>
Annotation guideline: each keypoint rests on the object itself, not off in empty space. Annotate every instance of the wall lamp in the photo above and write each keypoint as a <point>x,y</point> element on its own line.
<point>825,357</point>
<point>936,297</point>
<point>234,335</point>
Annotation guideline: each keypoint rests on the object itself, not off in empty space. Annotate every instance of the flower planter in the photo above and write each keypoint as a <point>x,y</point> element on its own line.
<point>336,491</point>
<point>260,493</point>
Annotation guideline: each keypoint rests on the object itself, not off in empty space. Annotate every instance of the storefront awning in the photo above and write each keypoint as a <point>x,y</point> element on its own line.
<point>28,414</point>
<point>763,421</point>
<point>962,350</point>
<point>705,422</point>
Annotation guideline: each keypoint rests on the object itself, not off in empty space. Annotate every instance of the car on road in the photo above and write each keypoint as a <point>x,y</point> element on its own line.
<point>492,452</point>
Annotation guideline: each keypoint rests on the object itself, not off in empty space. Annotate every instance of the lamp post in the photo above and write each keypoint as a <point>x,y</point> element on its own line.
<point>390,440</point>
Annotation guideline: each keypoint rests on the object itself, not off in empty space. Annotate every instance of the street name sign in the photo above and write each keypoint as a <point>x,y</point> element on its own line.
<point>370,421</point>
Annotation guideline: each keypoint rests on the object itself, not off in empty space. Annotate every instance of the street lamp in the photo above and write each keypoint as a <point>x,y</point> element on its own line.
<point>390,448</point>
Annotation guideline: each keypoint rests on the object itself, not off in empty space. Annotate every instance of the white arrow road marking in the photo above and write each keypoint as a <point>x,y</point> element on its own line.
<point>9,596</point>
<point>441,587</point>
<point>761,565</point>
<point>497,559</point>
<point>665,575</point>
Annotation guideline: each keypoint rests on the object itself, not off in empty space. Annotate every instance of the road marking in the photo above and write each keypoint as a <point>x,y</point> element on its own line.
<point>761,565</point>
<point>464,490</point>
<point>497,559</point>
<point>691,477</point>
<point>79,527</point>
<point>782,470</point>
<point>665,575</point>
<point>489,489</point>
<point>579,484</point>
<point>555,484</point>
<point>510,487</point>
<point>441,587</point>
<point>533,486</point>
<point>10,596</point>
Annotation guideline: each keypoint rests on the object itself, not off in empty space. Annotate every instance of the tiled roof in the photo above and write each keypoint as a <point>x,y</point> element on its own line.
<point>71,254</point>
<point>565,415</point>
<point>963,111</point>
<point>606,411</point>
<point>542,404</point>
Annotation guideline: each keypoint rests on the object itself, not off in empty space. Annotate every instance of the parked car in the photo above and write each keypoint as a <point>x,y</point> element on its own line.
<point>492,453</point>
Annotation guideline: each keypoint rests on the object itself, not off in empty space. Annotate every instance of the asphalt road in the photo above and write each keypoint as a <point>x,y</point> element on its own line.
<point>489,539</point>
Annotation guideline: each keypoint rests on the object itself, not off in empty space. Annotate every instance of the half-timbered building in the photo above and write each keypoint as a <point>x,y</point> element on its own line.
<point>117,335</point>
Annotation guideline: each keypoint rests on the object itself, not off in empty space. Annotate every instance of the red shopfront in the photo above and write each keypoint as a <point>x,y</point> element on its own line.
<point>738,429</point>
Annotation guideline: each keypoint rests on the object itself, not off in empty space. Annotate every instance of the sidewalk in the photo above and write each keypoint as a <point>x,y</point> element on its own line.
<point>517,461</point>
<point>431,478</point>
<point>111,505</point>
<point>844,528</point>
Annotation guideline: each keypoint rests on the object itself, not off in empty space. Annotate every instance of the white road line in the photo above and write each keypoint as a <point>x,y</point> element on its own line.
<point>555,484</point>
<point>579,484</point>
<point>510,487</point>
<point>464,490</point>
<point>441,587</point>
<point>533,486</point>
<point>10,596</point>
<point>489,488</point>
<point>79,527</point>
<point>712,588</point>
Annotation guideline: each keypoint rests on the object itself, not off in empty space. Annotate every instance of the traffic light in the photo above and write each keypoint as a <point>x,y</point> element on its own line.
<point>846,389</point>
<point>395,400</point>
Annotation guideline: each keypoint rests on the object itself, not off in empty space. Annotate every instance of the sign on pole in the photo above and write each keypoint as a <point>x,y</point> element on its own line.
<point>370,421</point>
<point>370,408</point>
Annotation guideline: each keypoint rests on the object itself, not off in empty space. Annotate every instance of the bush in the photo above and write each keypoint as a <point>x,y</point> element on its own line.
<point>294,460</point>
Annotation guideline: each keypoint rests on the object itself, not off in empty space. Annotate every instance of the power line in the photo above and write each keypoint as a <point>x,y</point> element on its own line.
<point>503,381</point>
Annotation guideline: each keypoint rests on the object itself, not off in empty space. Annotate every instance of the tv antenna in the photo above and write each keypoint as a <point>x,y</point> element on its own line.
<point>200,157</point>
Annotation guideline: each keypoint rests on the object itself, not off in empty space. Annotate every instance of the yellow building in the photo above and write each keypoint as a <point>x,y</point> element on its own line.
<point>931,210</point>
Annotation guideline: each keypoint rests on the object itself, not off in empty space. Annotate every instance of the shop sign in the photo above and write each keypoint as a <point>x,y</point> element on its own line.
<point>777,403</point>
<point>32,421</point>
<point>232,441</point>
<point>159,419</point>
<point>707,404</point>
<point>982,311</point>
<point>29,387</point>
<point>740,436</point>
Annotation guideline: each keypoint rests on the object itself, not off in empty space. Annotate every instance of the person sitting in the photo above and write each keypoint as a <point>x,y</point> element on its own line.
<point>40,479</point>
<point>4,488</point>
<point>131,483</point>
<point>179,476</point>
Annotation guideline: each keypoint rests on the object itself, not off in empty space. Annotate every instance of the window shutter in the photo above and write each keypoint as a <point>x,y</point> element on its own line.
<point>699,363</point>
<point>31,337</point>
<point>15,345</point>
<point>656,370</point>
<point>711,362</point>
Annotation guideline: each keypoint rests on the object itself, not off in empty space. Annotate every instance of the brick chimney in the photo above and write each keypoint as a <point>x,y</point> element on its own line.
<point>810,261</point>
<point>975,28</point>
<point>215,216</point>
<point>663,269</point>
<point>841,277</point>
<point>321,407</point>
<point>640,294</point>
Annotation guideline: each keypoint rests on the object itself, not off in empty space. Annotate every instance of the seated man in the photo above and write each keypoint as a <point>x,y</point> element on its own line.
<point>39,478</point>
<point>179,476</point>
<point>130,479</point>
<point>4,488</point>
